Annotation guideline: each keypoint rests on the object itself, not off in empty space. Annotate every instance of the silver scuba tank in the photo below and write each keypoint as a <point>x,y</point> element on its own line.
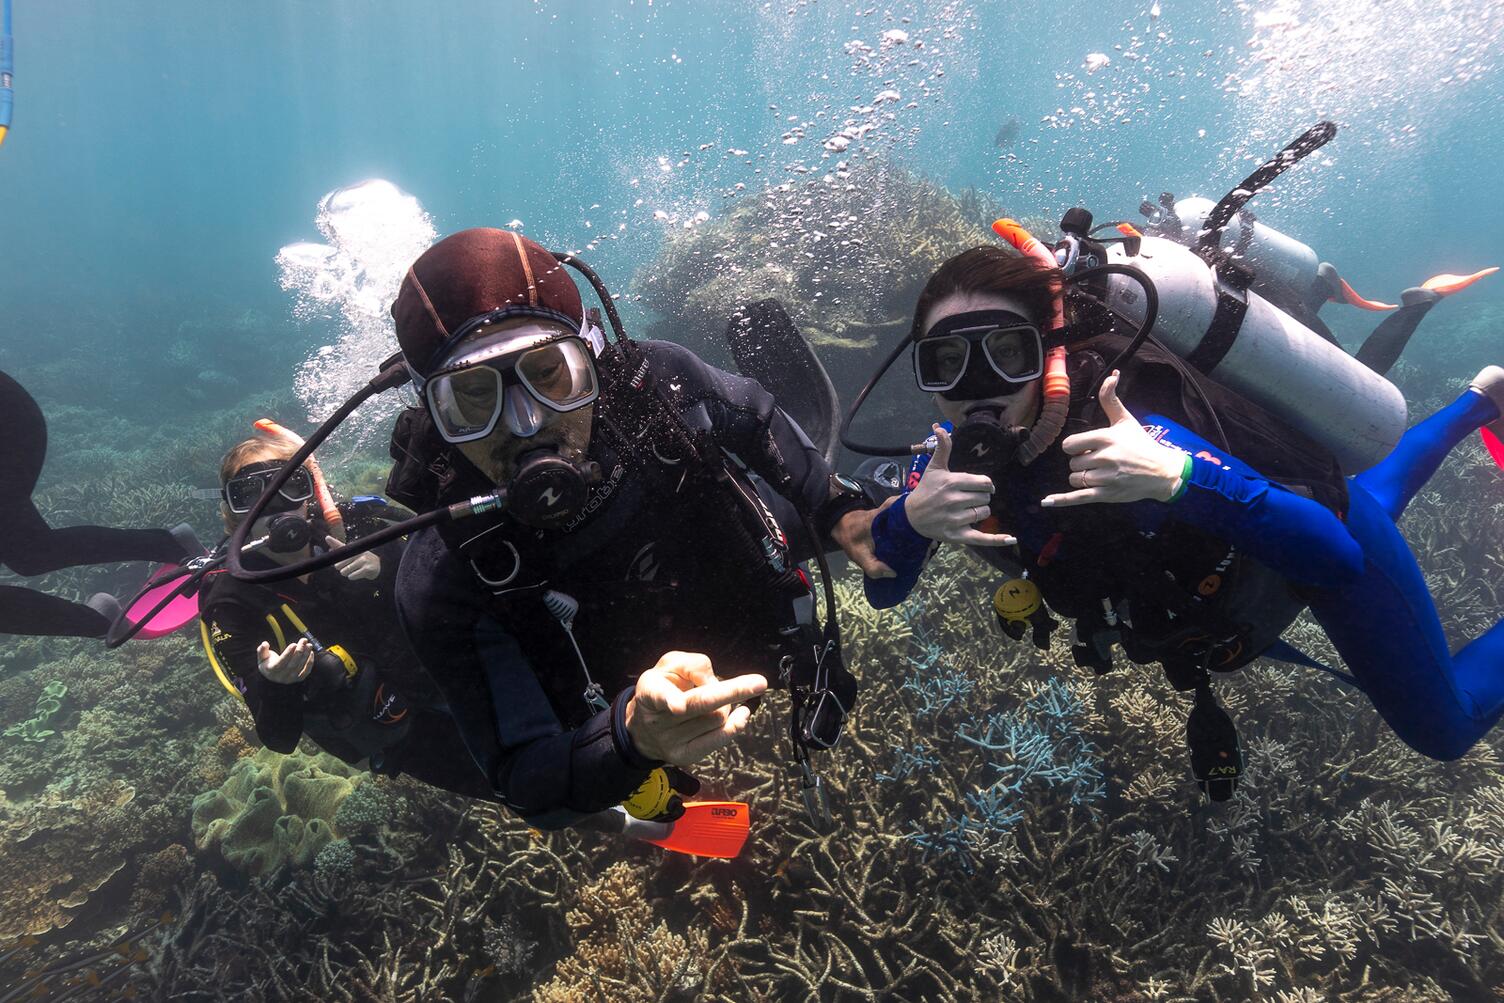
<point>1244,342</point>
<point>1270,254</point>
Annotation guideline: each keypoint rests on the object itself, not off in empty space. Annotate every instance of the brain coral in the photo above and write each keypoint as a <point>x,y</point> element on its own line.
<point>273,810</point>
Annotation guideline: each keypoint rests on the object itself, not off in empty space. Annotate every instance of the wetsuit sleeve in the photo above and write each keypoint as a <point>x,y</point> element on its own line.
<point>746,420</point>
<point>277,708</point>
<point>899,546</point>
<point>549,775</point>
<point>1292,535</point>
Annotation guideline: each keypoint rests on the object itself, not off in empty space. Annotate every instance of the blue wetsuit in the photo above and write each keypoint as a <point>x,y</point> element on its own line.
<point>1358,575</point>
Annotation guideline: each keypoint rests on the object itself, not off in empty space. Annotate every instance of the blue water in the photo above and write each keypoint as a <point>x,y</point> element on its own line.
<point>163,151</point>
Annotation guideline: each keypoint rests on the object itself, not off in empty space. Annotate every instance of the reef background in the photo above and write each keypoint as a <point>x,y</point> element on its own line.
<point>1010,827</point>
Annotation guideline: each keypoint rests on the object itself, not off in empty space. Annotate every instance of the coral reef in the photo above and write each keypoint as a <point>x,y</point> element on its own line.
<point>454,908</point>
<point>59,850</point>
<point>273,810</point>
<point>1009,826</point>
<point>846,255</point>
<point>34,729</point>
<point>622,951</point>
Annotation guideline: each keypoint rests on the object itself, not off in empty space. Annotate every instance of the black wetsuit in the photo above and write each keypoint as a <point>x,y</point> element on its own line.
<point>653,567</point>
<point>387,711</point>
<point>28,546</point>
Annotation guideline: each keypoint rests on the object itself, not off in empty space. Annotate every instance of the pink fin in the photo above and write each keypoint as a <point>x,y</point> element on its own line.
<point>1494,446</point>
<point>181,611</point>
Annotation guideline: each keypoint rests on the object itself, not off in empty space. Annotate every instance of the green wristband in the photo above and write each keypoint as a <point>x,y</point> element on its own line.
<point>1185,477</point>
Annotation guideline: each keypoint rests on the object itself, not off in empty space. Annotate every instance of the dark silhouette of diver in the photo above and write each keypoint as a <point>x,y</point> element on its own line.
<point>30,547</point>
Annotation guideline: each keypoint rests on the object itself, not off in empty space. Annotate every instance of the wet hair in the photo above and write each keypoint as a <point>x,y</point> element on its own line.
<point>990,268</point>
<point>253,450</point>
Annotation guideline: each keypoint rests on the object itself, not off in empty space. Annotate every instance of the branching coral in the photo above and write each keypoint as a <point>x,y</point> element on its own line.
<point>621,950</point>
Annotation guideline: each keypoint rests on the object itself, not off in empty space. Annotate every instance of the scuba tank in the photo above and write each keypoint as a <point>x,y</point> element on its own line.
<point>1209,317</point>
<point>1271,255</point>
<point>1214,269</point>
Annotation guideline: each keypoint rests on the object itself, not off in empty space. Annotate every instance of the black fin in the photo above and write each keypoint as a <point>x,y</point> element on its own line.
<point>767,346</point>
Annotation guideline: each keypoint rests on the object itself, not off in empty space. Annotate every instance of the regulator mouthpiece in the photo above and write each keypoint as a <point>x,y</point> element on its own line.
<point>549,490</point>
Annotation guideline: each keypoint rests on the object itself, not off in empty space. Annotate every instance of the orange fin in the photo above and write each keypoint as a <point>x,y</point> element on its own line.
<point>709,829</point>
<point>1446,284</point>
<point>1347,294</point>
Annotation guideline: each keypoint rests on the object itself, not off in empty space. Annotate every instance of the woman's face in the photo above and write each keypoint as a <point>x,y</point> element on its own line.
<point>1019,408</point>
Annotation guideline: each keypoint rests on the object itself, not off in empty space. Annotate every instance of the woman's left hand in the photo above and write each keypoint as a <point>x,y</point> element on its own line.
<point>1119,463</point>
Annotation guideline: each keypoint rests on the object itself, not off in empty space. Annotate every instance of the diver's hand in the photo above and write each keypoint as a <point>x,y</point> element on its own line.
<point>853,533</point>
<point>289,667</point>
<point>361,567</point>
<point>681,712</point>
<point>947,505</point>
<point>1119,463</point>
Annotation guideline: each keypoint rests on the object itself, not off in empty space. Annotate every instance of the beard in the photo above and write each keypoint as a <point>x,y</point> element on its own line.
<point>496,455</point>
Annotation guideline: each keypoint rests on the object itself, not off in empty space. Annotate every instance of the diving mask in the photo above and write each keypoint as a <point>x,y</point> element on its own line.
<point>980,354</point>
<point>511,365</point>
<point>241,491</point>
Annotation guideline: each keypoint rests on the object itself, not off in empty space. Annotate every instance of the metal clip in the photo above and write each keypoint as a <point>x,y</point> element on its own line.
<point>595,696</point>
<point>816,799</point>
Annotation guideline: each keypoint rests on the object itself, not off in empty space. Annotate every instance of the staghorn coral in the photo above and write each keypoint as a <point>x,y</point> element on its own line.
<point>621,950</point>
<point>449,914</point>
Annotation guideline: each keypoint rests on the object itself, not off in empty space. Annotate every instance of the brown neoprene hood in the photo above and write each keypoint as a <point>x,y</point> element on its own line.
<point>470,273</point>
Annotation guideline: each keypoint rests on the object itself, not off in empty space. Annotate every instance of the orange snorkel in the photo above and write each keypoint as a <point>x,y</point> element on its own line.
<point>327,506</point>
<point>1057,385</point>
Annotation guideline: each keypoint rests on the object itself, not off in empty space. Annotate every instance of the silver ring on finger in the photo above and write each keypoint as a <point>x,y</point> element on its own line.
<point>979,513</point>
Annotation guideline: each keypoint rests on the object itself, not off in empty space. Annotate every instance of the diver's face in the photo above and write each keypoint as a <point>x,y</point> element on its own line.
<point>556,367</point>
<point>1019,408</point>
<point>496,455</point>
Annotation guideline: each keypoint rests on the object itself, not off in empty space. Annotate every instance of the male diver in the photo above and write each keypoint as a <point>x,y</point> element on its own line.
<point>1133,523</point>
<point>640,583</point>
<point>322,655</point>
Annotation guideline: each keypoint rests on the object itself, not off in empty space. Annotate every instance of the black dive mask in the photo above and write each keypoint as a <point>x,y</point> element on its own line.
<point>547,490</point>
<point>982,444</point>
<point>989,354</point>
<point>979,354</point>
